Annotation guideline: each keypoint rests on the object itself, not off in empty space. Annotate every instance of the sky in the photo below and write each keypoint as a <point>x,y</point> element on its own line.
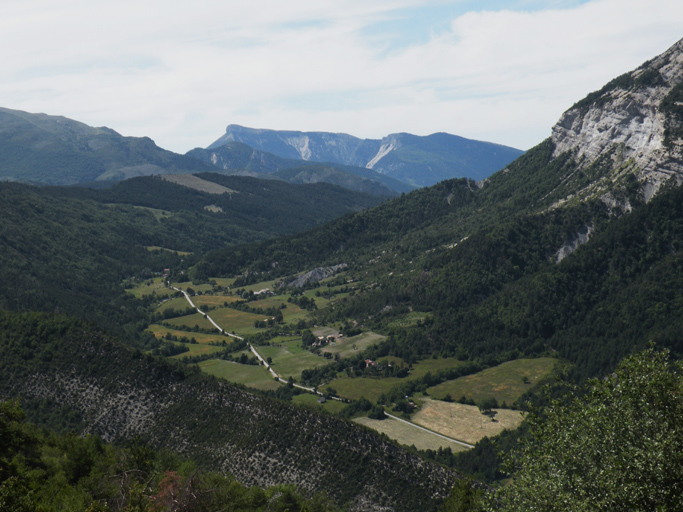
<point>179,72</point>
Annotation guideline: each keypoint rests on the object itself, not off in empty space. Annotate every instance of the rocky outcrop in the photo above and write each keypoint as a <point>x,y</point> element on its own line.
<point>632,124</point>
<point>315,275</point>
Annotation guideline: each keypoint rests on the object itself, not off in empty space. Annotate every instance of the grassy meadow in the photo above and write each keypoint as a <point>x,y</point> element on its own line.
<point>505,382</point>
<point>254,376</point>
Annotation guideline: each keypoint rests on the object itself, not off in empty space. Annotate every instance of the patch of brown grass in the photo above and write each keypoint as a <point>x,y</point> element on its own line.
<point>464,422</point>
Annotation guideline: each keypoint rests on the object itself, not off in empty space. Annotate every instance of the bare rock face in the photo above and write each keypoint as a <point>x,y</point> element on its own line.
<point>635,122</point>
<point>315,275</point>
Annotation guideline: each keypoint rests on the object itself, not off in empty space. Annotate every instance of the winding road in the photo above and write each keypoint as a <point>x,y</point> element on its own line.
<point>251,347</point>
<point>310,390</point>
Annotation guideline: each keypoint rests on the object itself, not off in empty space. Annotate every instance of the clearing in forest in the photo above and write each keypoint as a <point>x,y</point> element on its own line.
<point>505,382</point>
<point>464,422</point>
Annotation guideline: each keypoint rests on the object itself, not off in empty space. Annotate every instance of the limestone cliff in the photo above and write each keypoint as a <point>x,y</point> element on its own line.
<point>631,128</point>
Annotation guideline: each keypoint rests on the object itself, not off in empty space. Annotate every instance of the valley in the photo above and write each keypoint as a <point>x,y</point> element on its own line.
<point>496,338</point>
<point>273,354</point>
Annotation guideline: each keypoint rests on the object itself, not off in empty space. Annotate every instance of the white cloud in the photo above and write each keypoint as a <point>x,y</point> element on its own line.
<point>179,72</point>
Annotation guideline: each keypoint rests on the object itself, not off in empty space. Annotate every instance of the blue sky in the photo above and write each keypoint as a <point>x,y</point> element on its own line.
<point>179,72</point>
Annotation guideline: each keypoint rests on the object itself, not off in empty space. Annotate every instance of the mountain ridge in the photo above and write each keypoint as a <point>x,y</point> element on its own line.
<point>416,160</point>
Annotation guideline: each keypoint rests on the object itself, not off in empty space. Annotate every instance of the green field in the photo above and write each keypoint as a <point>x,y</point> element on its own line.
<point>217,301</point>
<point>179,304</point>
<point>250,375</point>
<point>289,359</point>
<point>357,387</point>
<point>152,287</point>
<point>503,382</point>
<point>350,346</point>
<point>191,320</point>
<point>291,313</point>
<point>311,400</point>
<point>240,322</point>
<point>161,331</point>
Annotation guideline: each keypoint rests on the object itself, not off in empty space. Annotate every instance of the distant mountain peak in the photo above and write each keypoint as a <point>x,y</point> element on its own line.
<point>416,160</point>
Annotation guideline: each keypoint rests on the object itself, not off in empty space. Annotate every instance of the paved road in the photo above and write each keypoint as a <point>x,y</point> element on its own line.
<point>251,347</point>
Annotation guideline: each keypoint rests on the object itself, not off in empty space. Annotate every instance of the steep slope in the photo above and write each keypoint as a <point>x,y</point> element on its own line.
<point>418,161</point>
<point>233,157</point>
<point>634,124</point>
<point>59,151</point>
<point>571,250</point>
<point>74,377</point>
<point>70,249</point>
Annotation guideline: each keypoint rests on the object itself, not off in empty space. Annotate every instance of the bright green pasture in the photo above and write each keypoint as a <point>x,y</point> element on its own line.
<point>191,321</point>
<point>160,331</point>
<point>290,314</point>
<point>255,376</point>
<point>371,388</point>
<point>238,321</point>
<point>152,287</point>
<point>503,382</point>
<point>289,359</point>
<point>350,346</point>
<point>214,300</point>
<point>357,387</point>
<point>179,303</point>
<point>311,400</point>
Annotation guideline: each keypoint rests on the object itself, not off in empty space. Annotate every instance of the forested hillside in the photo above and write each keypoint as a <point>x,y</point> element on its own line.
<point>71,249</point>
<point>59,151</point>
<point>70,375</point>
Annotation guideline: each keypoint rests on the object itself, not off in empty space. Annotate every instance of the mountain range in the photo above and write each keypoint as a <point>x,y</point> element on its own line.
<point>417,161</point>
<point>54,150</point>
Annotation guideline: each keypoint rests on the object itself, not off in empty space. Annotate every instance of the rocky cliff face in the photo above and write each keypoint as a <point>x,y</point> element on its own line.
<point>631,128</point>
<point>415,160</point>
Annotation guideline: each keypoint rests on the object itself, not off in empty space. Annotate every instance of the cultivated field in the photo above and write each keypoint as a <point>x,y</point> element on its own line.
<point>349,346</point>
<point>464,422</point>
<point>405,434</point>
<point>152,287</point>
<point>191,321</point>
<point>213,300</point>
<point>239,322</point>
<point>357,387</point>
<point>503,382</point>
<point>255,376</point>
<point>311,400</point>
<point>161,331</point>
<point>179,304</point>
<point>289,359</point>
